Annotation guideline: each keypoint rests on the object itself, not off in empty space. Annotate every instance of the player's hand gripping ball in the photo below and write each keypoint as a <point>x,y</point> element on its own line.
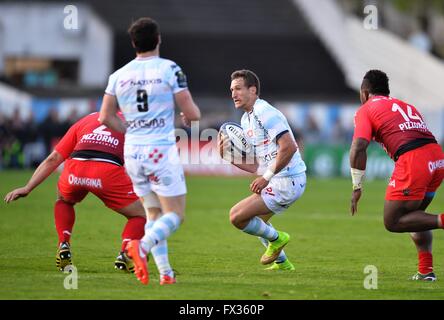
<point>239,147</point>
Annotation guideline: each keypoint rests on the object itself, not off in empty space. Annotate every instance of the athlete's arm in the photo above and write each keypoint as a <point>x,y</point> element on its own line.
<point>362,135</point>
<point>358,153</point>
<point>252,168</point>
<point>40,174</point>
<point>287,148</point>
<point>189,110</point>
<point>249,167</point>
<point>108,114</point>
<point>358,161</point>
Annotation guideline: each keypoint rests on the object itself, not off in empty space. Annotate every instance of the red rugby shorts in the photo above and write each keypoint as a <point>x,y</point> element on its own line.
<point>107,181</point>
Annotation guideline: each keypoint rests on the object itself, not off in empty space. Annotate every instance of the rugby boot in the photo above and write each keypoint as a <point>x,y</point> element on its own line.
<point>63,256</point>
<point>124,263</point>
<point>275,247</point>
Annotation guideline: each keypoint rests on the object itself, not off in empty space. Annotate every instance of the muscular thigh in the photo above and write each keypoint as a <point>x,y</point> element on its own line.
<point>173,204</point>
<point>395,209</point>
<point>250,207</point>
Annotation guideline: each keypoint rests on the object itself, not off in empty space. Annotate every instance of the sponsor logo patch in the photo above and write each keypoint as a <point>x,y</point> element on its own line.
<point>84,181</point>
<point>436,165</point>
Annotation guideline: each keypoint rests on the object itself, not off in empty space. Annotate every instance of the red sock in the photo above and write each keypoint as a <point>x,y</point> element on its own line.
<point>64,216</point>
<point>134,229</point>
<point>441,218</point>
<point>425,264</point>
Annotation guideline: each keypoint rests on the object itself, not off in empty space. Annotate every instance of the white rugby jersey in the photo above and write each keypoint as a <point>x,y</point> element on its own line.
<point>145,89</point>
<point>261,126</point>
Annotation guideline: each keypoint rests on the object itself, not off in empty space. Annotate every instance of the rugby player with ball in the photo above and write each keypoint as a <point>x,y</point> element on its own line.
<point>271,145</point>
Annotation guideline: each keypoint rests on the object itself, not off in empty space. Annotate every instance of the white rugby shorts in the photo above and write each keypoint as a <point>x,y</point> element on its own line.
<point>281,192</point>
<point>155,168</point>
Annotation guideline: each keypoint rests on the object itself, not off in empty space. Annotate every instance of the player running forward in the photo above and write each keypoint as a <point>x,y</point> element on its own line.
<point>419,165</point>
<point>283,182</point>
<point>146,90</point>
<point>93,157</point>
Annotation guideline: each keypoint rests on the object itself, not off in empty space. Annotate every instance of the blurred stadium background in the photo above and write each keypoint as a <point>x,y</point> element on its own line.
<point>310,56</point>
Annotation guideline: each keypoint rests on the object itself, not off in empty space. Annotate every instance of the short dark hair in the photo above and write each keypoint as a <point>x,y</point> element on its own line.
<point>144,34</point>
<point>376,82</point>
<point>250,79</point>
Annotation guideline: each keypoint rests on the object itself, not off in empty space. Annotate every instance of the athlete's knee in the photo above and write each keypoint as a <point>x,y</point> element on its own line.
<point>392,215</point>
<point>134,209</point>
<point>153,215</point>
<point>389,226</point>
<point>61,200</point>
<point>181,216</point>
<point>392,225</point>
<point>236,216</point>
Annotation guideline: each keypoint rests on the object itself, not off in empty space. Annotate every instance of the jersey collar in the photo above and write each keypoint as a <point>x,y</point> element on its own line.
<point>146,58</point>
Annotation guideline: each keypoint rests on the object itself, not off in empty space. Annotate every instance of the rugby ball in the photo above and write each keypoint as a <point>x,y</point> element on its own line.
<point>235,134</point>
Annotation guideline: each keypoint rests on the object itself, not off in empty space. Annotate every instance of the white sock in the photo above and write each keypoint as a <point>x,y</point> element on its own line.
<point>162,228</point>
<point>160,254</point>
<point>257,227</point>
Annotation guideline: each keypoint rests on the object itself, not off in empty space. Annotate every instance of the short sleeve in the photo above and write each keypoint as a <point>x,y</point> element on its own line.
<point>68,142</point>
<point>111,87</point>
<point>176,78</point>
<point>274,125</point>
<point>363,125</point>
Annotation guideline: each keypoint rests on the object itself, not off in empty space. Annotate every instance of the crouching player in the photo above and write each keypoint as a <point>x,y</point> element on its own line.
<point>419,165</point>
<point>93,156</point>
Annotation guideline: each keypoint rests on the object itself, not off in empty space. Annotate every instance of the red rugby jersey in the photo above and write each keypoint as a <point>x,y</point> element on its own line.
<point>391,122</point>
<point>89,134</point>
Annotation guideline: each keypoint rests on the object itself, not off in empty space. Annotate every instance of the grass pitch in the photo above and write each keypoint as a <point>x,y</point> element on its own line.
<point>329,248</point>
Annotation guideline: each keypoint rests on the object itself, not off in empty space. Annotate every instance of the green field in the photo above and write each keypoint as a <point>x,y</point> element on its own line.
<point>329,248</point>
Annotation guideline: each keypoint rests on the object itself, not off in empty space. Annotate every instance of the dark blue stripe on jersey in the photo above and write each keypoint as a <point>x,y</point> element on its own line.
<point>281,134</point>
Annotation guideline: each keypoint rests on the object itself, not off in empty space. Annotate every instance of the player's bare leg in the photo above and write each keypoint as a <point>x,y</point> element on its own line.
<point>134,209</point>
<point>245,216</point>
<point>248,208</point>
<point>173,204</point>
<point>407,216</point>
<point>410,216</point>
<point>423,242</point>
